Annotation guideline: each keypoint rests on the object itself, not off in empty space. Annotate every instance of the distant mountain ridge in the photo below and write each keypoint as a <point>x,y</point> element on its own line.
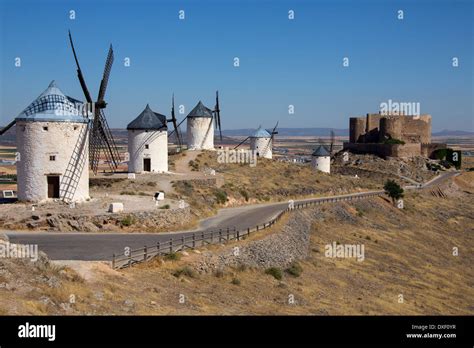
<point>447,132</point>
<point>326,132</point>
<point>289,131</point>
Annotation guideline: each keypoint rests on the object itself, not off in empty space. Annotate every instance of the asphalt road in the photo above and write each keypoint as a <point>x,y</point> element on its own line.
<point>101,246</point>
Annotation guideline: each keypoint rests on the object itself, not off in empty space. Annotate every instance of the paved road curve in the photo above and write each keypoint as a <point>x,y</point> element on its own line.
<point>101,246</point>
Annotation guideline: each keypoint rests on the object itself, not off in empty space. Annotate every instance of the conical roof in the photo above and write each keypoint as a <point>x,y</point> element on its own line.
<point>200,111</point>
<point>321,151</point>
<point>148,119</point>
<point>53,106</point>
<point>261,133</point>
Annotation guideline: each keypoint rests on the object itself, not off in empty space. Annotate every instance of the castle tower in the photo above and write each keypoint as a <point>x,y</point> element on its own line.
<point>200,128</point>
<point>321,159</point>
<point>53,146</point>
<point>261,143</point>
<point>148,143</point>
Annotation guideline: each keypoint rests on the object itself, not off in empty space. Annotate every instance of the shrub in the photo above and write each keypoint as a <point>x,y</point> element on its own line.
<point>393,190</point>
<point>128,193</point>
<point>295,269</point>
<point>127,221</point>
<point>166,206</point>
<point>219,273</point>
<point>244,194</point>
<point>274,272</point>
<point>221,196</point>
<point>186,271</point>
<point>173,256</point>
<point>393,141</point>
<point>235,281</point>
<point>151,183</point>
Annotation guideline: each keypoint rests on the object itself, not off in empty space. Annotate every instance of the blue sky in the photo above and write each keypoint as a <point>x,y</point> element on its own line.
<point>282,61</point>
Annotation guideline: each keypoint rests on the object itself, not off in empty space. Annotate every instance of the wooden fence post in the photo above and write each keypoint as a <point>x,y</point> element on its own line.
<point>248,231</point>
<point>238,235</point>
<point>145,253</point>
<point>158,248</point>
<point>220,235</point>
<point>227,234</point>
<point>202,238</point>
<point>113,261</point>
<point>171,245</point>
<point>194,240</point>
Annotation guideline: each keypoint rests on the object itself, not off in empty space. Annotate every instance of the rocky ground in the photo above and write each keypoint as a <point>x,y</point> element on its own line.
<point>421,254</point>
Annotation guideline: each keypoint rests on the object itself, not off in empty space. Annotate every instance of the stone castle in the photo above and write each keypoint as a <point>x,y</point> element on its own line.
<point>391,135</point>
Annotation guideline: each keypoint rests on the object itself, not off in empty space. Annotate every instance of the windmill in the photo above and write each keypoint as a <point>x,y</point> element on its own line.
<point>200,126</point>
<point>175,126</point>
<point>261,141</point>
<point>100,136</point>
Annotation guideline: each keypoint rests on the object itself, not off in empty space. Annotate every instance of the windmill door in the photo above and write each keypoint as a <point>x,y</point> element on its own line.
<point>53,186</point>
<point>147,164</point>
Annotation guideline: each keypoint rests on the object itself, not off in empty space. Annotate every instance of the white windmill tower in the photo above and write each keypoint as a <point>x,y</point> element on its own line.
<point>200,126</point>
<point>148,142</point>
<point>321,159</point>
<point>261,141</point>
<point>52,140</point>
<point>58,137</point>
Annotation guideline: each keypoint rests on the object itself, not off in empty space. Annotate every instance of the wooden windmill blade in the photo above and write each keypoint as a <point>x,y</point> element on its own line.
<point>100,136</point>
<point>217,115</point>
<point>176,129</point>
<point>243,141</point>
<point>80,76</point>
<point>110,148</point>
<point>95,145</point>
<point>105,77</point>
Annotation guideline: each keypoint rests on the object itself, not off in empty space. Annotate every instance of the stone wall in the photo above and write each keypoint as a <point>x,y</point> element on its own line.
<point>385,150</point>
<point>428,150</point>
<point>375,128</point>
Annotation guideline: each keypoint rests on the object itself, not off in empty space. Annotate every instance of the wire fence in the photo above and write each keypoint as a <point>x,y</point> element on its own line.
<point>192,240</point>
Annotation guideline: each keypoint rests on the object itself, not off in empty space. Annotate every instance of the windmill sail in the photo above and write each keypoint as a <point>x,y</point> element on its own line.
<point>100,137</point>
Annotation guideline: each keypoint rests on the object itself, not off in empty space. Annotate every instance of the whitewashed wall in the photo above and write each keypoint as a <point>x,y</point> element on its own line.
<point>322,163</point>
<point>35,145</point>
<point>200,133</point>
<point>157,142</point>
<point>263,146</point>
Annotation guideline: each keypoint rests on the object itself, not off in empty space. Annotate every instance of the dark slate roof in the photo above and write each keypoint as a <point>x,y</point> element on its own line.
<point>200,111</point>
<point>321,151</point>
<point>148,119</point>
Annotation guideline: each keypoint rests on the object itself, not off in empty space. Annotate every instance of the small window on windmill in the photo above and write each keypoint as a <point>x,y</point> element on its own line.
<point>147,146</point>
<point>52,157</point>
<point>75,127</point>
<point>23,128</point>
<point>45,128</point>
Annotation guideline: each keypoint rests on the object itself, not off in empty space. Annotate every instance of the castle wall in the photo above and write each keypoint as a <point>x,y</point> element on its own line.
<point>427,150</point>
<point>35,146</point>
<point>390,128</point>
<point>157,151</point>
<point>356,129</point>
<point>372,128</point>
<point>385,150</point>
